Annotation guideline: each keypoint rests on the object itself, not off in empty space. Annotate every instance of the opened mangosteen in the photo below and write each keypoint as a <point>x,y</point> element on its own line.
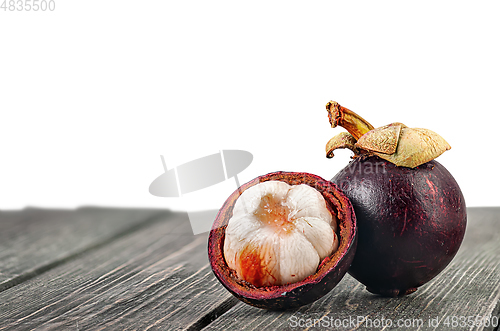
<point>283,240</point>
<point>410,211</point>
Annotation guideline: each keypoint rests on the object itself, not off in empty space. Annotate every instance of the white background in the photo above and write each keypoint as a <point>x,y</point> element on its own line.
<point>94,92</point>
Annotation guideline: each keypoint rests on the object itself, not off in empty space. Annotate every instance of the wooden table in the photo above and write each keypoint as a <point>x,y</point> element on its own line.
<point>143,269</point>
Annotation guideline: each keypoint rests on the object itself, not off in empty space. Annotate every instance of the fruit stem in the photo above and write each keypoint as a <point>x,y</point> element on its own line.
<point>349,120</point>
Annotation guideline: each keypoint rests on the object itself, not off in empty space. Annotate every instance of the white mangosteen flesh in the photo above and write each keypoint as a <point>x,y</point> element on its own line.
<point>279,234</point>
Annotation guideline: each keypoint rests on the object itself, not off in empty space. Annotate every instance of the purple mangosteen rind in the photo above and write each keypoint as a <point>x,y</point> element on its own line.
<point>330,271</point>
<point>411,222</point>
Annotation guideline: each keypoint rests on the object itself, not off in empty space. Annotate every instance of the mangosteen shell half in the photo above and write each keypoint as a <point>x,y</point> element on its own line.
<point>411,222</point>
<point>330,271</point>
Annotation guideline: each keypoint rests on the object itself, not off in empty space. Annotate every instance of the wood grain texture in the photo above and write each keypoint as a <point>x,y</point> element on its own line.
<point>469,286</point>
<point>34,240</point>
<point>156,278</point>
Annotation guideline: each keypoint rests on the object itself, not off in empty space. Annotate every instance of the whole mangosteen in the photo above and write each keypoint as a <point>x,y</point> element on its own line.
<point>410,211</point>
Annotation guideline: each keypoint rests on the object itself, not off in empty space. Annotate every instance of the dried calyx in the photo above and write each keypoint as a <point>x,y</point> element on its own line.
<point>396,143</point>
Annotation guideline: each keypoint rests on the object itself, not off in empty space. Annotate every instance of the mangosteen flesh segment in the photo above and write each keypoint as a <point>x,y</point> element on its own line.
<point>279,234</point>
<point>411,222</point>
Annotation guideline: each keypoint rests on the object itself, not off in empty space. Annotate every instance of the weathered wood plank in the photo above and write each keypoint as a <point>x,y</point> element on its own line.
<point>469,286</point>
<point>34,240</point>
<point>157,278</point>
